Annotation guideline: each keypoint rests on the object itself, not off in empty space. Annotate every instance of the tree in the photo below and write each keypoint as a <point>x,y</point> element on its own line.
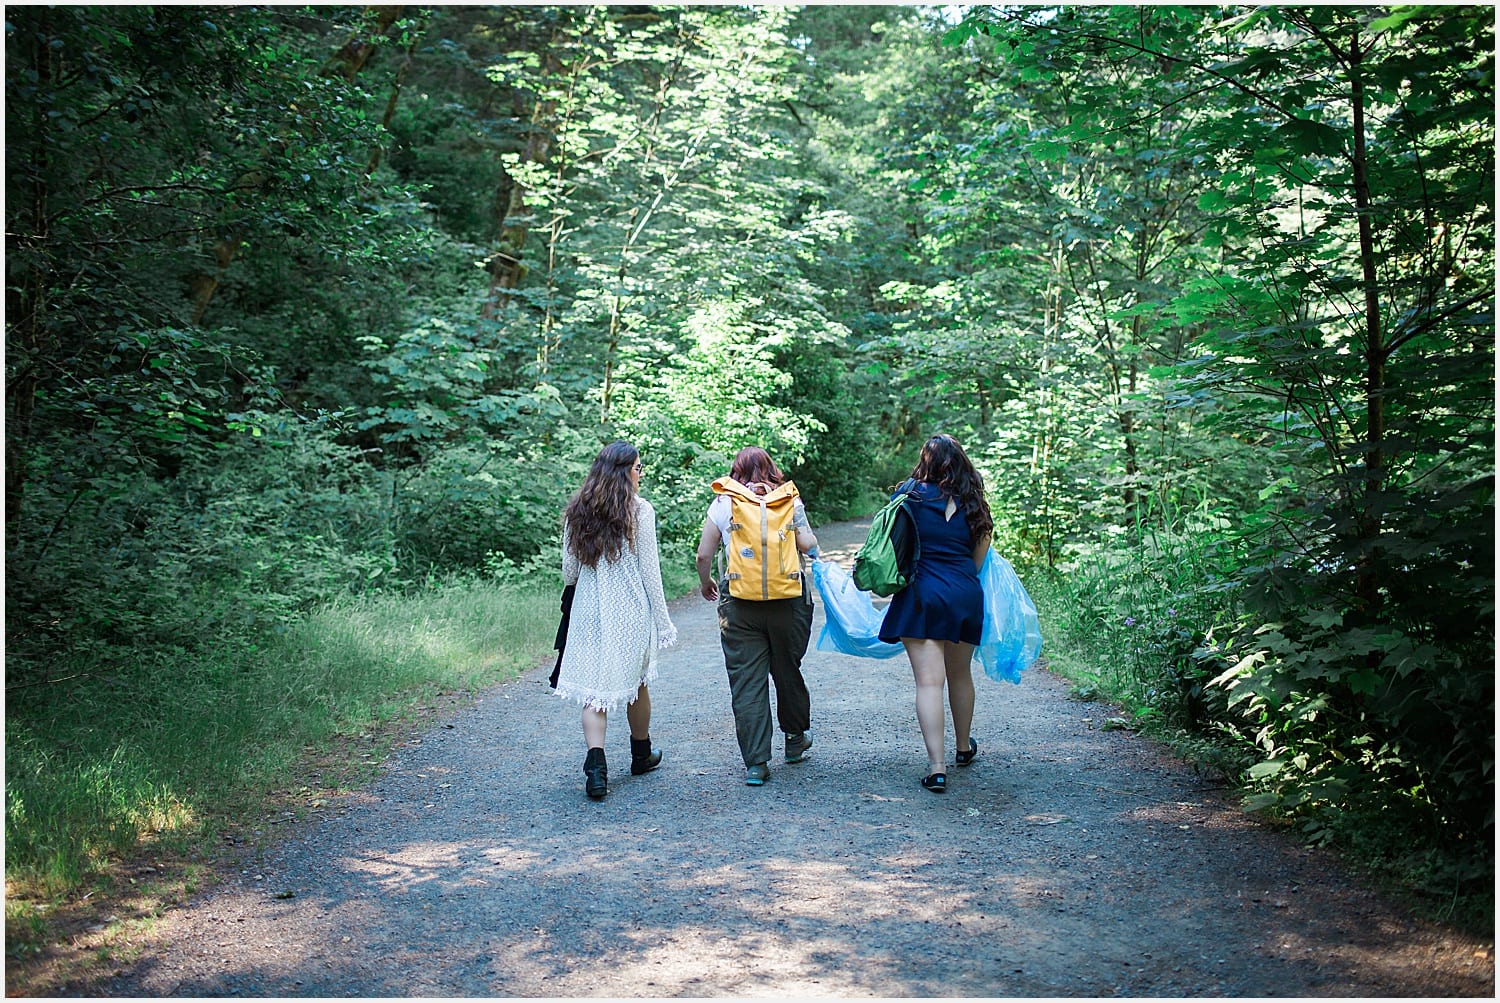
<point>1359,200</point>
<point>148,130</point>
<point>1340,328</point>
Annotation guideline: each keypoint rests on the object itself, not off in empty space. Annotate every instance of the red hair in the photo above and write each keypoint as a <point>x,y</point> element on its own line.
<point>753,464</point>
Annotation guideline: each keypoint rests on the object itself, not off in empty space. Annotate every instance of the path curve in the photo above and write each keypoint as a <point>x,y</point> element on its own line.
<point>1067,861</point>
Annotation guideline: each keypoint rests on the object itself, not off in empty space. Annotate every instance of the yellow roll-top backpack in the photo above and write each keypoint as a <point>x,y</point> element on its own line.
<point>762,545</point>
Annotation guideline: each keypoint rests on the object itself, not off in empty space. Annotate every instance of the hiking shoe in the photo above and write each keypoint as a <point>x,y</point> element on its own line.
<point>797,744</point>
<point>963,758</point>
<point>757,774</point>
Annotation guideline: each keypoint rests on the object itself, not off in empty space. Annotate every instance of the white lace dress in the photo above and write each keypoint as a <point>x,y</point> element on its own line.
<point>618,621</point>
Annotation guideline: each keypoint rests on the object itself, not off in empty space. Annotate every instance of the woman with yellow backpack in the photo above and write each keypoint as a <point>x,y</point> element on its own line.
<point>765,605</point>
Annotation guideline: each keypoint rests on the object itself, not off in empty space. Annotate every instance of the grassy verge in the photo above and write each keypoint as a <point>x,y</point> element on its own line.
<point>115,764</point>
<point>679,579</point>
<point>1107,660</point>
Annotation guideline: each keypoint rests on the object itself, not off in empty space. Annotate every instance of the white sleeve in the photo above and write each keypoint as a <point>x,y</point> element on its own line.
<point>570,564</point>
<point>645,548</point>
<point>720,513</point>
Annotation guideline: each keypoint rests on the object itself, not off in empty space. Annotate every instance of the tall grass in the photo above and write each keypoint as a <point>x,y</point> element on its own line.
<point>112,755</point>
<point>1132,619</point>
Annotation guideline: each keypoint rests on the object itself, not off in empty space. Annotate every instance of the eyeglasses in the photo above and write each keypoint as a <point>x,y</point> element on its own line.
<point>638,468</point>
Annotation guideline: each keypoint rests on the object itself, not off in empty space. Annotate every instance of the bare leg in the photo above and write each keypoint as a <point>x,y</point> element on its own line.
<point>957,659</point>
<point>929,671</point>
<point>593,727</point>
<point>638,713</point>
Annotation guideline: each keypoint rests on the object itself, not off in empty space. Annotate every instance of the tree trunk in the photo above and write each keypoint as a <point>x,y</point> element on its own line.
<point>1129,426</point>
<point>616,308</point>
<point>1041,457</point>
<point>637,225</point>
<point>29,315</point>
<point>1367,583</point>
<point>390,106</point>
<point>356,52</point>
<point>204,284</point>
<point>550,339</point>
<point>505,265</point>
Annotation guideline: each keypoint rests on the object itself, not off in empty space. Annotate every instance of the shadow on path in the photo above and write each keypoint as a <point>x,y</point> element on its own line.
<point>1066,861</point>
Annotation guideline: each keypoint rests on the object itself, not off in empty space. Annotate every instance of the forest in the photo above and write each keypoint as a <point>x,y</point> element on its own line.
<point>315,316</point>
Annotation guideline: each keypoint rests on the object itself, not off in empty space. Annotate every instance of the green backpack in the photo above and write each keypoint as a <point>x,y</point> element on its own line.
<point>888,557</point>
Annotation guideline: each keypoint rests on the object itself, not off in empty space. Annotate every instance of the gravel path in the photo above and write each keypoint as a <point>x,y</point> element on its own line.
<point>1067,861</point>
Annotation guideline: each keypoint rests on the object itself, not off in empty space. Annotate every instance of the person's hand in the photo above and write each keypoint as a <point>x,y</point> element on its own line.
<point>710,591</point>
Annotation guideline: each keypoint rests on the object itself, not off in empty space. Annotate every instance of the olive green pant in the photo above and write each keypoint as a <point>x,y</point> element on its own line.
<point>764,642</point>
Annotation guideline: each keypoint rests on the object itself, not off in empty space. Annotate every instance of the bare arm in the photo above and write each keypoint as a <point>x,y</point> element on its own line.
<point>981,548</point>
<point>708,545</point>
<point>807,542</point>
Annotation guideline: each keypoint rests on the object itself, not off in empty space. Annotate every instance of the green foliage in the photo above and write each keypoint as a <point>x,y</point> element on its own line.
<point>176,742</point>
<point>1207,293</point>
<point>833,473</point>
<point>1361,716</point>
<point>1326,376</point>
<point>1146,605</point>
<point>725,392</point>
<point>1362,690</point>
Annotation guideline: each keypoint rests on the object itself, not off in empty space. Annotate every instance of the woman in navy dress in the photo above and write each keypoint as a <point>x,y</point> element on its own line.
<point>939,616</point>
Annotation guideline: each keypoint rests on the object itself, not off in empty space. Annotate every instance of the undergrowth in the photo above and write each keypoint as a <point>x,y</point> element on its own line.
<point>165,748</point>
<point>1138,626</point>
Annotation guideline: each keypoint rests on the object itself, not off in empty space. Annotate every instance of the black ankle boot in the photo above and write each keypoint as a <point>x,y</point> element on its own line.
<point>642,759</point>
<point>595,774</point>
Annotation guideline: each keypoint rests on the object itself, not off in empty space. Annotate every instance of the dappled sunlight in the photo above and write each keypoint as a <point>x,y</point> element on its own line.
<point>161,812</point>
<point>1068,863</point>
<point>779,926</point>
<point>419,863</point>
<point>317,322</point>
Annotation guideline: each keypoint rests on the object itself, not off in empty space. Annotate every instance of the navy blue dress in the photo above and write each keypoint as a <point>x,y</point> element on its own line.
<point>944,601</point>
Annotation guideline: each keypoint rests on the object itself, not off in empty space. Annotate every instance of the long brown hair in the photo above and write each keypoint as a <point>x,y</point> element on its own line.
<point>753,464</point>
<point>943,462</point>
<point>600,516</point>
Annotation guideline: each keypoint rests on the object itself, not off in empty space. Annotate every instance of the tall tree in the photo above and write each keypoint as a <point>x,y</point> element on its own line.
<point>1357,204</point>
<point>1350,155</point>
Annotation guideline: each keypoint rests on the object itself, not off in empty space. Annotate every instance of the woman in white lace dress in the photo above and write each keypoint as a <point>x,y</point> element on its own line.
<point>619,614</point>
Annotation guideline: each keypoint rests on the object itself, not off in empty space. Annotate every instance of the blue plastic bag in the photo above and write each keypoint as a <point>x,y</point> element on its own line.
<point>851,621</point>
<point>1012,636</point>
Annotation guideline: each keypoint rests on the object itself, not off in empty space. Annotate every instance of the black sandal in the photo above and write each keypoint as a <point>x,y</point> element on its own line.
<point>936,782</point>
<point>962,758</point>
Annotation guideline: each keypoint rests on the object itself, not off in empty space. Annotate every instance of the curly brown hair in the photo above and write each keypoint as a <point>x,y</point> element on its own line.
<point>600,517</point>
<point>943,462</point>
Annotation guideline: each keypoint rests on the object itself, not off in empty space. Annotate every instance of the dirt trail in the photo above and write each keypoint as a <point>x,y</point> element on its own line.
<point>1067,861</point>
